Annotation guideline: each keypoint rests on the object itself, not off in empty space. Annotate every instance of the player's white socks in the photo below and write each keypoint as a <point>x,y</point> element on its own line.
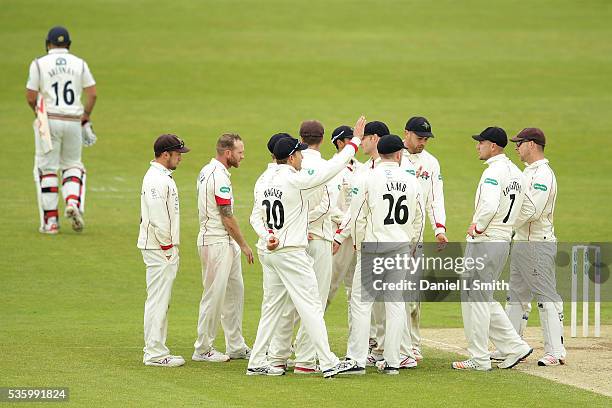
<point>73,187</point>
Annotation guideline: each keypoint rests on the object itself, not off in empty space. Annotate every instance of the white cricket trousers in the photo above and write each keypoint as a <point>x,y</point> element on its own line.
<point>532,274</point>
<point>289,277</point>
<point>222,299</point>
<point>65,156</point>
<point>321,253</point>
<point>361,315</point>
<point>161,273</point>
<point>343,268</point>
<point>487,319</point>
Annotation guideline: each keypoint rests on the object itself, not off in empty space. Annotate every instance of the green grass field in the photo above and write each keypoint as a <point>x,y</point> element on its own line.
<point>71,309</point>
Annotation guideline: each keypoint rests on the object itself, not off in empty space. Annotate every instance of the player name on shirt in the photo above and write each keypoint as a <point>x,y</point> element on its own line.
<point>62,70</point>
<point>273,192</point>
<point>396,186</point>
<point>514,187</point>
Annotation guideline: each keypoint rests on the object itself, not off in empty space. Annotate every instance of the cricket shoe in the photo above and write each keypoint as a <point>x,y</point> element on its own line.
<point>515,358</point>
<point>169,361</point>
<point>242,355</point>
<point>384,368</point>
<point>51,228</point>
<point>346,367</point>
<point>373,359</point>
<point>266,370</point>
<point>306,370</point>
<point>75,217</point>
<point>407,362</point>
<point>212,356</point>
<point>469,365</point>
<point>549,360</point>
<point>417,354</point>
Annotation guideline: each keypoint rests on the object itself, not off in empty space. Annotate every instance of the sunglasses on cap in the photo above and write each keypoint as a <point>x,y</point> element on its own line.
<point>174,146</point>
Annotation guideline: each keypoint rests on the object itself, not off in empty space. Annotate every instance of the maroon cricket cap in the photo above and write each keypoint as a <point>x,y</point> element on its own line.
<point>169,143</point>
<point>530,134</point>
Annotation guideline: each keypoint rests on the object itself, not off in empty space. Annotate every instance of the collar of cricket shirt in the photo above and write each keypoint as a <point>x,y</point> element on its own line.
<point>58,51</point>
<point>220,165</point>
<point>161,168</point>
<point>388,164</point>
<point>272,165</point>
<point>312,152</point>
<point>537,163</point>
<point>499,157</point>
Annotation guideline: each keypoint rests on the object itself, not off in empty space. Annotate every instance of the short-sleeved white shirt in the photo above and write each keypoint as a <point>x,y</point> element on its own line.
<point>214,189</point>
<point>60,78</point>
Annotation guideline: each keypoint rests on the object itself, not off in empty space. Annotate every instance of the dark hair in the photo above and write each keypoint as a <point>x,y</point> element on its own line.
<point>227,142</point>
<point>312,139</point>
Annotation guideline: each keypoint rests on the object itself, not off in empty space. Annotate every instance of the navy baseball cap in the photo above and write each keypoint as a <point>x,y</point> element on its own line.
<point>420,126</point>
<point>493,134</point>
<point>274,139</point>
<point>169,143</point>
<point>390,144</point>
<point>58,36</point>
<point>286,146</point>
<point>342,132</point>
<point>376,128</point>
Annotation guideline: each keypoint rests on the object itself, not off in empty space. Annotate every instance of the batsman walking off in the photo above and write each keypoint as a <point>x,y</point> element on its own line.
<point>54,88</point>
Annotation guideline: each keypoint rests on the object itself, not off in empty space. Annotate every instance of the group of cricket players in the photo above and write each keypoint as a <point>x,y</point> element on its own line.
<point>314,218</point>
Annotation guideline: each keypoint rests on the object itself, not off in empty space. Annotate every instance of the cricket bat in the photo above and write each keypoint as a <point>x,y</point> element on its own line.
<point>41,126</point>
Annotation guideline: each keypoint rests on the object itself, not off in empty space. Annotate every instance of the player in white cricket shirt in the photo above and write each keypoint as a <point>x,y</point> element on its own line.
<point>280,348</point>
<point>426,167</point>
<point>288,268</point>
<point>532,261</point>
<point>220,243</point>
<point>320,236</point>
<point>386,208</point>
<point>497,205</point>
<point>59,78</point>
<point>373,132</point>
<point>344,260</point>
<point>158,241</point>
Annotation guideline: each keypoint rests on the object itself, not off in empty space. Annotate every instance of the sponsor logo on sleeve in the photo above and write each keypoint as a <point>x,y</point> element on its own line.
<point>225,189</point>
<point>491,181</point>
<point>539,186</point>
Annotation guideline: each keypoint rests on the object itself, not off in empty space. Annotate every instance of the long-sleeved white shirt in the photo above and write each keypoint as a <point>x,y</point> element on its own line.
<point>387,207</point>
<point>320,202</point>
<point>498,200</point>
<point>159,209</point>
<point>341,191</point>
<point>430,179</point>
<point>345,229</point>
<point>535,220</point>
<point>257,221</point>
<point>282,199</point>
